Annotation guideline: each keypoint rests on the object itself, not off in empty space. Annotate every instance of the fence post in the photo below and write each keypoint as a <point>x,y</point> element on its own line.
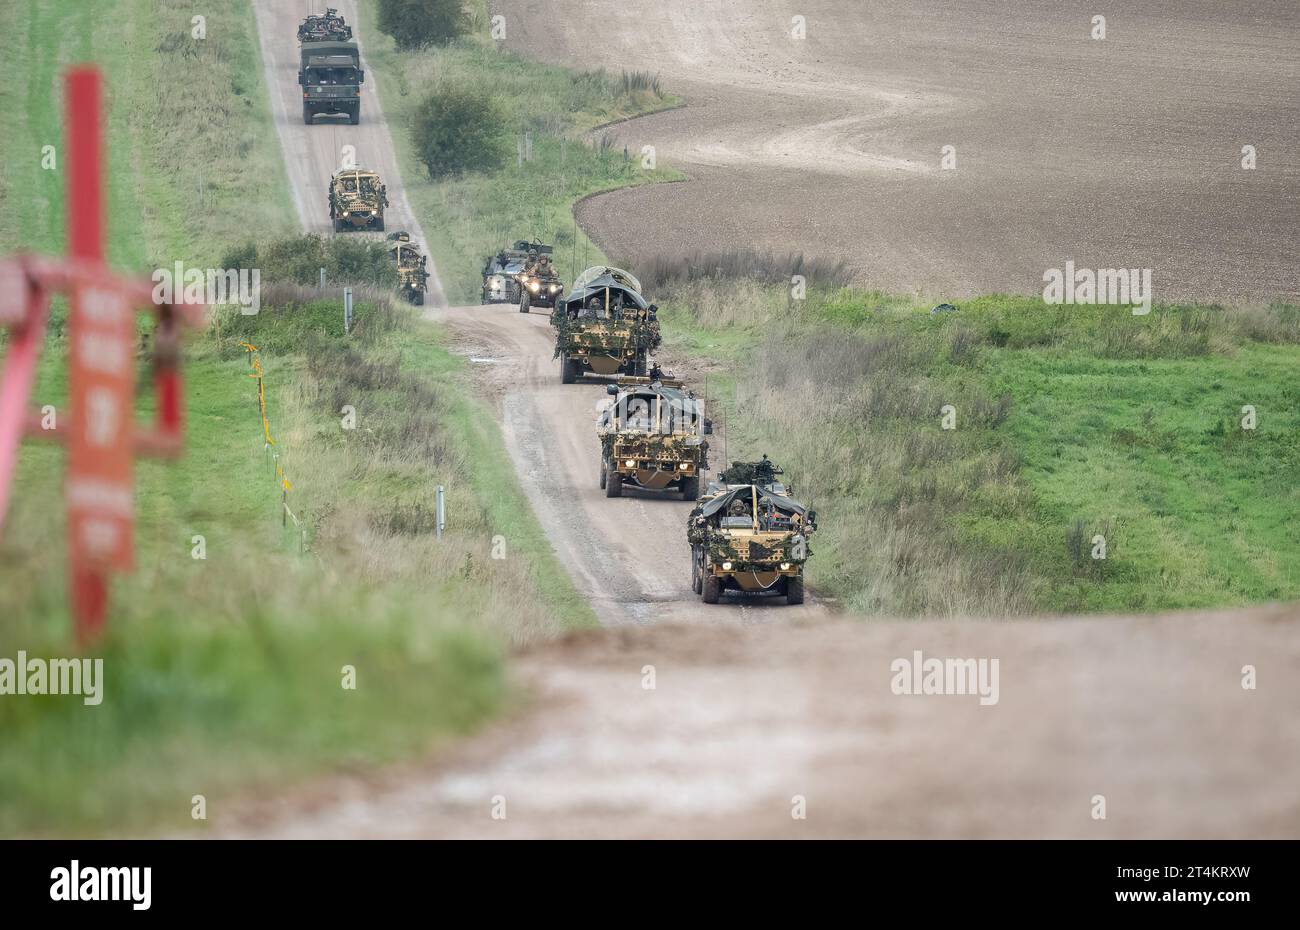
<point>347,311</point>
<point>322,279</point>
<point>441,516</point>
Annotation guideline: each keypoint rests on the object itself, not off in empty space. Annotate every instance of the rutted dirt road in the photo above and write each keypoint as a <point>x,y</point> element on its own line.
<point>313,154</point>
<point>1124,152</point>
<point>1147,712</point>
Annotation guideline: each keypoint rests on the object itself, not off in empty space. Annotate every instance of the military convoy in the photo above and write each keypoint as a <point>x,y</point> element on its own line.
<point>652,436</point>
<point>748,534</point>
<point>412,273</point>
<point>604,326</point>
<point>357,200</point>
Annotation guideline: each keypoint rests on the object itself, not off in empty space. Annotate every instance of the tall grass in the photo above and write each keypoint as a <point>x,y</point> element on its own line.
<point>1070,423</point>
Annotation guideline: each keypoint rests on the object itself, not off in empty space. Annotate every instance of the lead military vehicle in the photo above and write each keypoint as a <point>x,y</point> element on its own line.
<point>412,273</point>
<point>357,200</point>
<point>604,326</point>
<point>748,534</point>
<point>331,79</point>
<point>652,436</point>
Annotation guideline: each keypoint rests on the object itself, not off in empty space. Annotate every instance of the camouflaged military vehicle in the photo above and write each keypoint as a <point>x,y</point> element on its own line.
<point>749,535</point>
<point>652,436</point>
<point>604,326</point>
<point>412,275</point>
<point>357,200</point>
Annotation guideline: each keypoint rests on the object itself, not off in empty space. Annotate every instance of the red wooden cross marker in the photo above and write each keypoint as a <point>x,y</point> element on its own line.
<point>100,430</point>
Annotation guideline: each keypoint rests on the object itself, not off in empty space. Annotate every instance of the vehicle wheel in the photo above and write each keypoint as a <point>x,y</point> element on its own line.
<point>339,225</point>
<point>711,589</point>
<point>525,303</point>
<point>794,589</point>
<point>566,370</point>
<point>354,116</point>
<point>604,473</point>
<point>379,224</point>
<point>614,485</point>
<point>419,300</point>
<point>307,116</point>
<point>691,488</point>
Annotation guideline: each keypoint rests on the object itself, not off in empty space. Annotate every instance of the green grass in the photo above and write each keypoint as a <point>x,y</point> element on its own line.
<point>193,163</point>
<point>223,675</point>
<point>468,219</point>
<point>1072,422</point>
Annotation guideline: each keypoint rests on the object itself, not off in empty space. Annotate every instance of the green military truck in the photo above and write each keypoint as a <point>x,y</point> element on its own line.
<point>604,326</point>
<point>331,79</point>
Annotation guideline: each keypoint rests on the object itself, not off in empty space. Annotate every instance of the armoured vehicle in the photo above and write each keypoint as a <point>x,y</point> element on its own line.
<point>357,200</point>
<point>412,275</point>
<point>323,27</point>
<point>331,79</point>
<point>501,271</point>
<point>749,535</point>
<point>604,326</point>
<point>652,436</point>
<point>539,282</point>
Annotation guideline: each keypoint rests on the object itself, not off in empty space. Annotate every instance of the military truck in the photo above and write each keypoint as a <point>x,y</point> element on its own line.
<point>749,536</point>
<point>324,27</point>
<point>357,200</point>
<point>604,326</point>
<point>412,273</point>
<point>331,79</point>
<point>539,282</point>
<point>501,272</point>
<point>652,436</point>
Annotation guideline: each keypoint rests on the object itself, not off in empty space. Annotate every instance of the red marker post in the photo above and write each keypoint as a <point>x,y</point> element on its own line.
<point>100,493</point>
<point>100,430</point>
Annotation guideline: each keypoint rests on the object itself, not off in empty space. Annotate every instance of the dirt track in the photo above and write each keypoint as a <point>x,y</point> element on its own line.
<point>313,154</point>
<point>1116,153</point>
<point>1148,712</point>
<point>628,556</point>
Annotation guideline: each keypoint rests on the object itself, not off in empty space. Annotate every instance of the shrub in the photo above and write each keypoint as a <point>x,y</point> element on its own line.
<point>298,260</point>
<point>456,130</point>
<point>416,23</point>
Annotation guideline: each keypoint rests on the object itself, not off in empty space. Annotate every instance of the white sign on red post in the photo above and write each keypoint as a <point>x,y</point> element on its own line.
<point>100,492</point>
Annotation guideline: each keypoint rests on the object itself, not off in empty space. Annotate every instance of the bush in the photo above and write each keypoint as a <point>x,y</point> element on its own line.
<point>347,261</point>
<point>416,23</point>
<point>456,130</point>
